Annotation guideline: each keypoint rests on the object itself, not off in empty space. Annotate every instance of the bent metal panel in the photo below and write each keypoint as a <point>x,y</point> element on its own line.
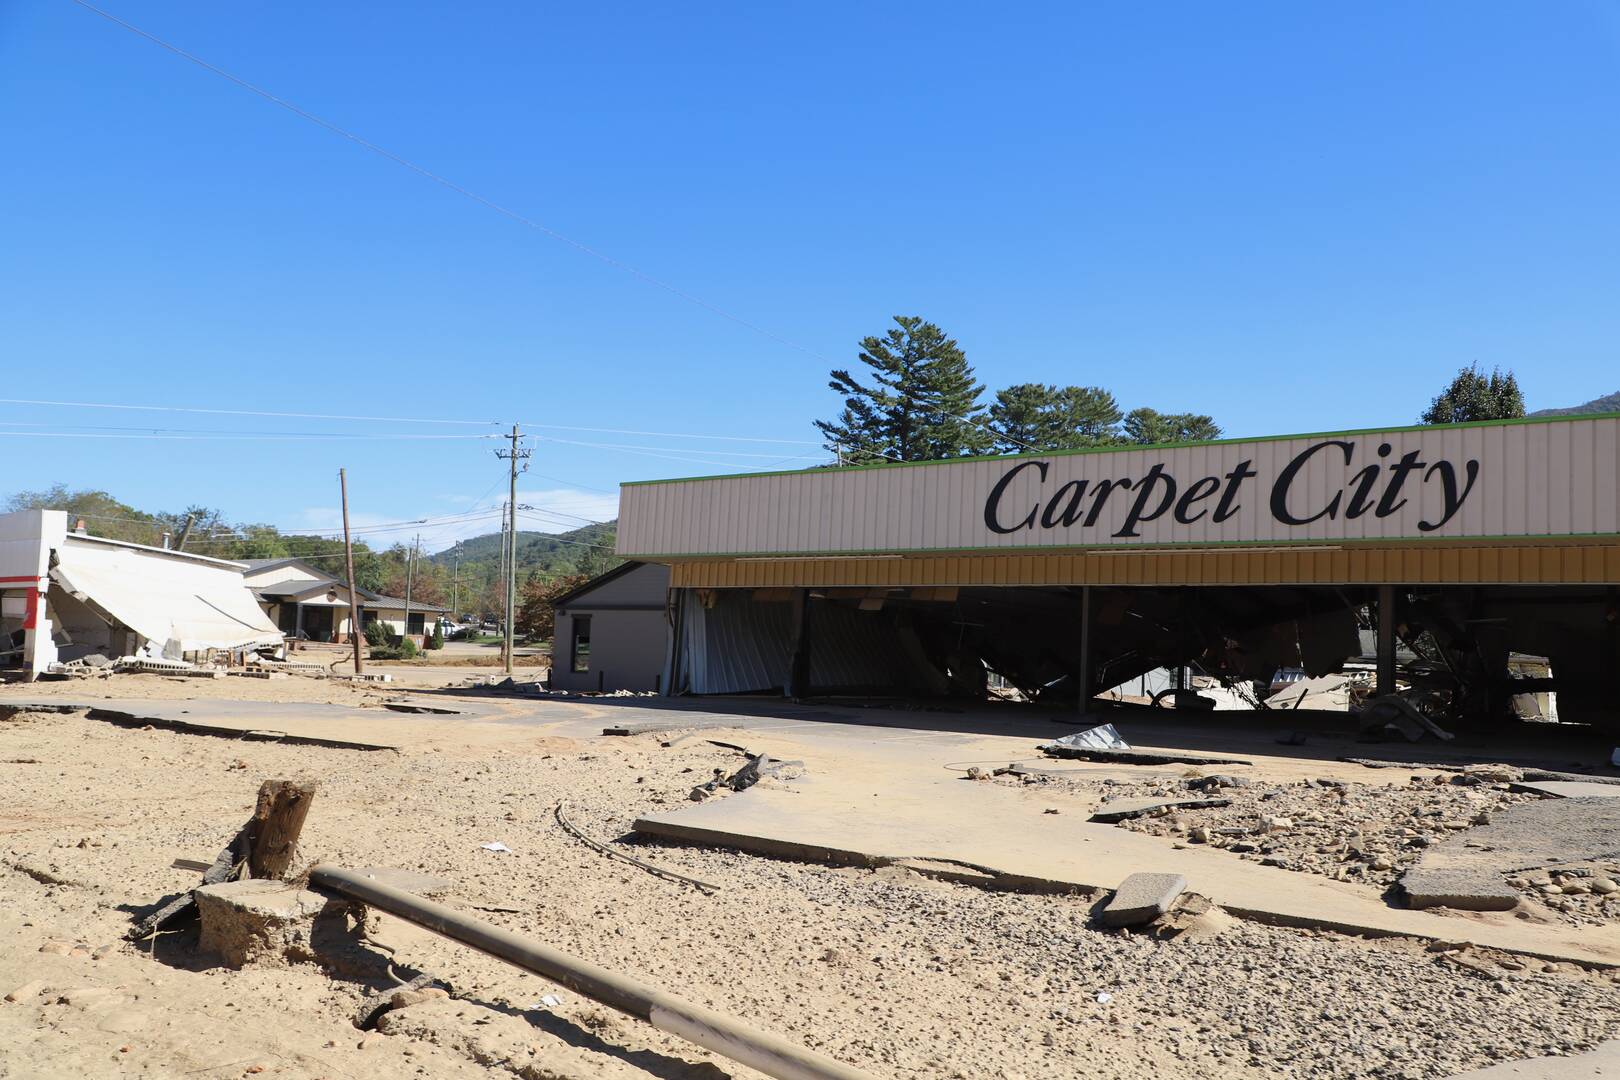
<point>1556,478</point>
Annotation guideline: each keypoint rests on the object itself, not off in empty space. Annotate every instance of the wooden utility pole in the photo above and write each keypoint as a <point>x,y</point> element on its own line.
<point>273,831</point>
<point>410,573</point>
<point>513,456</point>
<point>455,586</point>
<point>355,633</point>
<point>500,582</point>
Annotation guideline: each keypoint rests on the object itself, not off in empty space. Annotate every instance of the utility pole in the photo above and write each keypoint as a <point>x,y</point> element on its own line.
<point>455,585</point>
<point>185,533</point>
<point>355,634</point>
<point>500,580</point>
<point>410,569</point>
<point>512,456</point>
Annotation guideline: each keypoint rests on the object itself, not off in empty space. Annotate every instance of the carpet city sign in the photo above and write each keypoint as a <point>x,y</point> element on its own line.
<point>1542,478</point>
<point>1332,480</point>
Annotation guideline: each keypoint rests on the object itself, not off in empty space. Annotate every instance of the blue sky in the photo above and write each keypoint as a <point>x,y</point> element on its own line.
<point>1290,216</point>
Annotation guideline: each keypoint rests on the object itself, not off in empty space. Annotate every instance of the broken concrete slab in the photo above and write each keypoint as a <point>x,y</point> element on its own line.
<point>1125,809</point>
<point>1138,756</point>
<point>1600,1063</point>
<point>649,727</point>
<point>1141,898</point>
<point>1534,835</point>
<point>1568,789</point>
<point>1464,890</point>
<point>873,821</point>
<point>256,921</point>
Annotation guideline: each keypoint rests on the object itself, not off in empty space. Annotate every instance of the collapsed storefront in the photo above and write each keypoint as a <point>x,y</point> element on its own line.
<point>1487,554</point>
<point>66,595</point>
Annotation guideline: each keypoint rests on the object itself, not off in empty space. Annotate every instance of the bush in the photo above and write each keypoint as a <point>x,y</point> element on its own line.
<point>376,634</point>
<point>435,640</point>
<point>407,648</point>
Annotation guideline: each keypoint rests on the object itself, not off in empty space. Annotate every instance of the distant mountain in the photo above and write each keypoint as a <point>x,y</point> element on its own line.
<point>552,553</point>
<point>1606,403</point>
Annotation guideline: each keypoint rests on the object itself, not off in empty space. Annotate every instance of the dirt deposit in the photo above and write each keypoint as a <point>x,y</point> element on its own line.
<point>903,975</point>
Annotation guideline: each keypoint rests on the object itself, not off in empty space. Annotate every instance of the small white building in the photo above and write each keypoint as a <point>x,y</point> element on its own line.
<point>309,604</point>
<point>65,594</point>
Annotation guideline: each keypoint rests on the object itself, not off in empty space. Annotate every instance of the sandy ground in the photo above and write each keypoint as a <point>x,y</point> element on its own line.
<point>900,974</point>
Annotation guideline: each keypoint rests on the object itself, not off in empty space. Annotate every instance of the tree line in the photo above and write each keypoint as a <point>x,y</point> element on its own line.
<point>919,400</point>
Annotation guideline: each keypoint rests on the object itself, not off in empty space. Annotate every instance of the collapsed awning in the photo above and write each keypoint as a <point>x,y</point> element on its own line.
<point>179,602</point>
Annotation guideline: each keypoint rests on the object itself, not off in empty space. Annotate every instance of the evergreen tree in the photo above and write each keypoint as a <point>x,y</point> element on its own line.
<point>1150,427</point>
<point>1039,416</point>
<point>1472,396</point>
<point>922,404</point>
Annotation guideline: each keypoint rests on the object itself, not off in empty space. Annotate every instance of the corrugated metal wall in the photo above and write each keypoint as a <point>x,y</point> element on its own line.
<point>740,645</point>
<point>1535,479</point>
<point>1482,563</point>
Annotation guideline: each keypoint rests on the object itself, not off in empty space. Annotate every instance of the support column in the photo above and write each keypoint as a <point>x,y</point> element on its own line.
<point>798,685</point>
<point>39,649</point>
<point>1084,676</point>
<point>1387,620</point>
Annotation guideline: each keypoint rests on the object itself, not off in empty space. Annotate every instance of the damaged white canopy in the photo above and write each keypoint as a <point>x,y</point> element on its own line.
<point>181,603</point>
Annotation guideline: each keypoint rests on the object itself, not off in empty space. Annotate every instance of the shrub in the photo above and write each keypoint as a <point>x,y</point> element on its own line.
<point>407,648</point>
<point>435,640</point>
<point>376,634</point>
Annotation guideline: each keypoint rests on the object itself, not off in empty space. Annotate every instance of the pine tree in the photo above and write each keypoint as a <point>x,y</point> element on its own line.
<point>1039,416</point>
<point>1472,396</point>
<point>922,404</point>
<point>1150,427</point>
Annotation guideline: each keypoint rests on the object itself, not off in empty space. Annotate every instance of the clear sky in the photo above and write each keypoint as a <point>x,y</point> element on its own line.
<point>1294,217</point>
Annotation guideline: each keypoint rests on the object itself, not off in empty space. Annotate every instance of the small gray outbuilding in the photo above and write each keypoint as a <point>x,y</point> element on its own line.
<point>612,633</point>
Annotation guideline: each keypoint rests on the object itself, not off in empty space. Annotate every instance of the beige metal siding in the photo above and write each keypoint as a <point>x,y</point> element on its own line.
<point>1538,479</point>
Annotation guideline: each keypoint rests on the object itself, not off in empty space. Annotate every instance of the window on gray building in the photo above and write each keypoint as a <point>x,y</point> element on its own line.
<point>582,644</point>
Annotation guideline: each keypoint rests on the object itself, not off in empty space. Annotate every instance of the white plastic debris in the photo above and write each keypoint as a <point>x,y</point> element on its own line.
<point>1104,997</point>
<point>1101,737</point>
<point>494,845</point>
<point>551,1001</point>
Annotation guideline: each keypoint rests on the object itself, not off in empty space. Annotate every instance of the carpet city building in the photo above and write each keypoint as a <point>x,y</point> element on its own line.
<point>1069,572</point>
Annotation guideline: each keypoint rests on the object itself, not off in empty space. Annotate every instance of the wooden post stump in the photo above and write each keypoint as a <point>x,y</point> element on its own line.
<point>274,828</point>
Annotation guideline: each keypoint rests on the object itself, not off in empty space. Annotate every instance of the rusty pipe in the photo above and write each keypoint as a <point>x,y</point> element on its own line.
<point>770,1054</point>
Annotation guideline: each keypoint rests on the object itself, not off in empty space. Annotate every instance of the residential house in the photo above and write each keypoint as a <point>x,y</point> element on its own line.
<point>308,603</point>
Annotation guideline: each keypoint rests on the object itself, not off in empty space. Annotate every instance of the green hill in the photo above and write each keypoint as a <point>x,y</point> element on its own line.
<point>1604,404</point>
<point>587,550</point>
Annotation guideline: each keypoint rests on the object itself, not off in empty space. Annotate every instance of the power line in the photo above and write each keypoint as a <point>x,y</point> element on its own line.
<point>491,204</point>
<point>240,412</point>
<point>671,449</point>
<point>176,436</point>
<point>674,434</point>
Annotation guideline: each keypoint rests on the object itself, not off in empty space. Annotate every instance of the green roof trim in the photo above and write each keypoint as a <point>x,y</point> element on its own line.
<point>1576,418</point>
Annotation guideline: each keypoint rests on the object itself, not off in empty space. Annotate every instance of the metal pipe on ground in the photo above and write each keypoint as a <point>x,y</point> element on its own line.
<point>770,1054</point>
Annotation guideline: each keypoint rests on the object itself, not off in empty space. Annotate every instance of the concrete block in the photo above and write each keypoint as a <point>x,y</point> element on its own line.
<point>1141,898</point>
<point>265,922</point>
<point>1465,890</point>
